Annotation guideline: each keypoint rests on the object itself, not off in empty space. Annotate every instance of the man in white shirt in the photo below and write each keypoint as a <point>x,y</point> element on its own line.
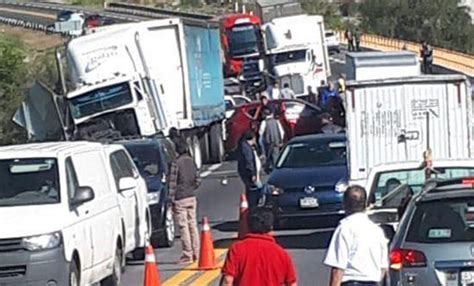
<point>358,253</point>
<point>287,92</point>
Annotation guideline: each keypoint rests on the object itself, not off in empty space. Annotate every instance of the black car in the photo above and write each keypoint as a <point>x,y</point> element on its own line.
<point>153,158</point>
<point>309,178</point>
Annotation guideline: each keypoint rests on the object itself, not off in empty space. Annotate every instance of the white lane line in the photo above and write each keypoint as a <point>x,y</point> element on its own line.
<point>210,170</point>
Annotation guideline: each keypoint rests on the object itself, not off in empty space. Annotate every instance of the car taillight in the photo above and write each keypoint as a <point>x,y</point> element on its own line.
<point>400,258</point>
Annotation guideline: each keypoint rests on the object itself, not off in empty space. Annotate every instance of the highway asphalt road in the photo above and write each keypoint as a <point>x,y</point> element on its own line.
<point>305,241</point>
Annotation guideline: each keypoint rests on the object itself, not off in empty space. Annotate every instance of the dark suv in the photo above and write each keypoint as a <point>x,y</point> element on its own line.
<point>434,244</point>
<point>153,158</point>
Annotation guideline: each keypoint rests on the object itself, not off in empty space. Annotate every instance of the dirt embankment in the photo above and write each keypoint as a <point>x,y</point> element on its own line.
<point>34,40</point>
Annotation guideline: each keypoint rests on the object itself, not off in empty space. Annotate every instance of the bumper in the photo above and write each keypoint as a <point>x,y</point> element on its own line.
<point>22,268</point>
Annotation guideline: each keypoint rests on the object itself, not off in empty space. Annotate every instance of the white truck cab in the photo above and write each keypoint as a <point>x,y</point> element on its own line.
<point>298,52</point>
<point>66,213</point>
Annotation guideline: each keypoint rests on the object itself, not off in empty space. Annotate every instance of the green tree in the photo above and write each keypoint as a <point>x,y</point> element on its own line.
<point>440,22</point>
<point>13,74</point>
<point>329,11</point>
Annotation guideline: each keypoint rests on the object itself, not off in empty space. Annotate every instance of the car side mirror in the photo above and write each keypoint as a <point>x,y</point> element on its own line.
<point>127,183</point>
<point>83,195</point>
<point>388,230</point>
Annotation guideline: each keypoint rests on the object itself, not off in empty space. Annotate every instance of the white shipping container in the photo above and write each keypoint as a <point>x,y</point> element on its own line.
<point>387,121</point>
<point>381,65</point>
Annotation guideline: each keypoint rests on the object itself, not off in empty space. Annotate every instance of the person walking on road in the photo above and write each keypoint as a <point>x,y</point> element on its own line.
<point>357,36</point>
<point>330,91</point>
<point>358,252</point>
<point>312,97</point>
<point>274,90</point>
<point>183,182</point>
<point>350,40</point>
<point>248,162</point>
<point>257,259</point>
<point>272,134</point>
<point>287,92</point>
<point>321,88</point>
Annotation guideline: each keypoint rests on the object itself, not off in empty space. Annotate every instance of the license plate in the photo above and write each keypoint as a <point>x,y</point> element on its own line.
<point>467,277</point>
<point>309,202</point>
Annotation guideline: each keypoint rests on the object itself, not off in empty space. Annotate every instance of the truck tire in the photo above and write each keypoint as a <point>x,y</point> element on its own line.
<point>217,144</point>
<point>74,275</point>
<point>197,152</point>
<point>204,142</point>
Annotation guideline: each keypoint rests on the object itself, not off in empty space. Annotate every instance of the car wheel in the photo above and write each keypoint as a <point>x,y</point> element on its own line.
<point>116,278</point>
<point>166,237</point>
<point>73,274</point>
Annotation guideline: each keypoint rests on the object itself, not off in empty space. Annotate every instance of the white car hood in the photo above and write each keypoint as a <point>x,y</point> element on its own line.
<point>21,221</point>
<point>291,68</point>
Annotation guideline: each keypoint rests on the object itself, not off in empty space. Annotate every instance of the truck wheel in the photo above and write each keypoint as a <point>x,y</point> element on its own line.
<point>73,274</point>
<point>217,144</point>
<point>204,142</point>
<point>197,152</point>
<point>116,278</point>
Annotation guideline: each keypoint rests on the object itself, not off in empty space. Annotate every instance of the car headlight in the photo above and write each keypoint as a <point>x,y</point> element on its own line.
<point>341,186</point>
<point>153,198</point>
<point>42,242</point>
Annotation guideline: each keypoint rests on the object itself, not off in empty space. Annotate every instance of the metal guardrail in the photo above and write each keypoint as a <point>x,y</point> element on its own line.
<point>460,62</point>
<point>146,10</point>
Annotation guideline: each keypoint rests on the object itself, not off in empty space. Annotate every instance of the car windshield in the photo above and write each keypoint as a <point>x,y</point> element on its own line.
<point>29,182</point>
<point>388,194</point>
<point>147,158</point>
<point>443,221</point>
<point>100,100</point>
<point>243,40</point>
<point>313,154</point>
<point>290,57</point>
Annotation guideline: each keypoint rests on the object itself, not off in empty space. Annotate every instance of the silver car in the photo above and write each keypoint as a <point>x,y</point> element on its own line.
<point>434,244</point>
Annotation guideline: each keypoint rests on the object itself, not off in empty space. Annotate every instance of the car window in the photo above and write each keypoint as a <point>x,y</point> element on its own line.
<point>386,192</point>
<point>443,221</point>
<point>293,110</point>
<point>312,154</point>
<point>121,166</point>
<point>147,158</point>
<point>71,179</point>
<point>240,100</point>
<point>228,105</point>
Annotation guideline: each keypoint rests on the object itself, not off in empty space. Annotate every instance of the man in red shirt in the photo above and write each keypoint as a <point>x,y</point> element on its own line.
<point>257,259</point>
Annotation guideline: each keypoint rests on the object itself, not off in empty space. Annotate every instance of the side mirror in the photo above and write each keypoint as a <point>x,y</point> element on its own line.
<point>388,230</point>
<point>83,195</point>
<point>127,184</point>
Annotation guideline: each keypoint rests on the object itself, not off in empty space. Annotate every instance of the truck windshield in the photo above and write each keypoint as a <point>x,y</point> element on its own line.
<point>388,190</point>
<point>313,154</point>
<point>243,40</point>
<point>290,57</point>
<point>29,182</point>
<point>100,100</point>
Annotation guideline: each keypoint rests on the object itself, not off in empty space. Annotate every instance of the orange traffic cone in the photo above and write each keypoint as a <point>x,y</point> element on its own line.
<point>243,216</point>
<point>207,258</point>
<point>152,277</point>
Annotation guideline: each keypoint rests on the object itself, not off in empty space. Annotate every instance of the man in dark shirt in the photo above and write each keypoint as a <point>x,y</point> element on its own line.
<point>258,259</point>
<point>184,180</point>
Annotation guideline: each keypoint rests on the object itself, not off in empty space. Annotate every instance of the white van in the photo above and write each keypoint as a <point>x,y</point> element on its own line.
<point>63,219</point>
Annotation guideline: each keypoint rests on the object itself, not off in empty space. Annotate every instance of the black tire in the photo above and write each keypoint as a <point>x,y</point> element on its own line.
<point>74,276</point>
<point>205,152</point>
<point>116,278</point>
<point>217,144</point>
<point>166,237</point>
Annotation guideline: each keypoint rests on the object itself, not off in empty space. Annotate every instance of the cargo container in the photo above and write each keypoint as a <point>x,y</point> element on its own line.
<point>381,65</point>
<point>268,10</point>
<point>396,120</point>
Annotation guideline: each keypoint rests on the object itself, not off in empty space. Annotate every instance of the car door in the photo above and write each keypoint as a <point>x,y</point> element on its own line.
<point>302,118</point>
<point>128,199</point>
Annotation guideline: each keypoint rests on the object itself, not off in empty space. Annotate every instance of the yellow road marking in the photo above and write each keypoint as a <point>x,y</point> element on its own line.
<point>28,13</point>
<point>189,271</point>
<point>208,276</point>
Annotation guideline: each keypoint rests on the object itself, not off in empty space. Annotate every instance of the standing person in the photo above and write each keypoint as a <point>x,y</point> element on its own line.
<point>341,84</point>
<point>273,90</point>
<point>272,134</point>
<point>258,259</point>
<point>321,90</point>
<point>264,104</point>
<point>357,36</point>
<point>183,182</point>
<point>426,54</point>
<point>312,97</point>
<point>248,163</point>
<point>350,40</point>
<point>287,92</point>
<point>358,253</point>
<point>176,137</point>
<point>330,91</point>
